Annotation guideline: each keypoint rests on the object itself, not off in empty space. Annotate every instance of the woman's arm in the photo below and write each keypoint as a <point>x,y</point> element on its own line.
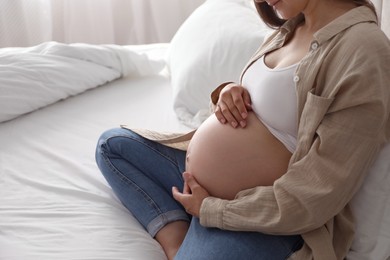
<point>339,137</point>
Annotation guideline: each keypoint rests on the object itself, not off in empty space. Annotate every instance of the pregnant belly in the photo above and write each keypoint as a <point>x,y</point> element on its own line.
<point>226,160</point>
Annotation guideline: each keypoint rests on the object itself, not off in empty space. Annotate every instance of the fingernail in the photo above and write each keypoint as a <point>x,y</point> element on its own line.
<point>223,120</point>
<point>234,124</point>
<point>243,124</point>
<point>244,115</point>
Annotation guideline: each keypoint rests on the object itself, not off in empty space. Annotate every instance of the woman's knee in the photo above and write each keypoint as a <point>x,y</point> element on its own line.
<point>113,133</point>
<point>103,147</point>
<point>102,141</point>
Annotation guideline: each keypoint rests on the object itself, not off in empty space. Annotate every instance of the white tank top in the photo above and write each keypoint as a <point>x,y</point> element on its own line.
<point>274,100</point>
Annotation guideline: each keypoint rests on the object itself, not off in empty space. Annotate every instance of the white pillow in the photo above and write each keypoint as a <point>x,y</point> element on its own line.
<point>34,77</point>
<point>211,47</point>
<point>371,207</point>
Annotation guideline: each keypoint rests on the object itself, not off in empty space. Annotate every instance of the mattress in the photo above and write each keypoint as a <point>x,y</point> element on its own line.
<point>54,203</point>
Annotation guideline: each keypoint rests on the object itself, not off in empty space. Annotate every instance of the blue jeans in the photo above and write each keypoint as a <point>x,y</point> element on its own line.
<point>142,172</point>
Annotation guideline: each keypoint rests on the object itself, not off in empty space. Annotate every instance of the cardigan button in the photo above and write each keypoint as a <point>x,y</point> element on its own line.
<point>296,78</point>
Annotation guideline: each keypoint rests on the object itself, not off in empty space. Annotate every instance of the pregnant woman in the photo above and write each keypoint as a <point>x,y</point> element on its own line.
<point>270,174</point>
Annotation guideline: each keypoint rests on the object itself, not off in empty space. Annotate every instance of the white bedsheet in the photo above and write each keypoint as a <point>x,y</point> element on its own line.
<point>54,203</point>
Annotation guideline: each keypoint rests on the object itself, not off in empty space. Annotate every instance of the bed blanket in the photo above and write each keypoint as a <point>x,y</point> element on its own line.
<point>34,77</point>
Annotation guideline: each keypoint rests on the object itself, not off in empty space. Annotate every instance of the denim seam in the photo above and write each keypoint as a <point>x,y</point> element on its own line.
<point>124,178</point>
<point>128,181</point>
<point>171,159</point>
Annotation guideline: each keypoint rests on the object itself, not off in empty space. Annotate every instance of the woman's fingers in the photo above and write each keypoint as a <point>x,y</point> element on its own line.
<point>247,100</point>
<point>233,106</point>
<point>192,200</point>
<point>231,113</point>
<point>186,189</point>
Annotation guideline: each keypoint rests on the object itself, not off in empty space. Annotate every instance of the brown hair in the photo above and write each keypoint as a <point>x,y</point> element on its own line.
<point>271,18</point>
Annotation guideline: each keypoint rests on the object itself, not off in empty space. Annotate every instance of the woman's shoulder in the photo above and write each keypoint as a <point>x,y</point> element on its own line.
<point>368,32</point>
<point>356,31</point>
<point>360,47</point>
<point>365,38</point>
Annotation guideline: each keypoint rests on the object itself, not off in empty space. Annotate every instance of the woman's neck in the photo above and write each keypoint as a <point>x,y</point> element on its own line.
<point>319,13</point>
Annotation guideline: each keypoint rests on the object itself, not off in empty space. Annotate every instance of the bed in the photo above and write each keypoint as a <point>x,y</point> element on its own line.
<point>56,99</point>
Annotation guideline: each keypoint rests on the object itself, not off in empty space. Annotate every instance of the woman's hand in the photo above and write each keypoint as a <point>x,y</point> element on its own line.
<point>233,105</point>
<point>192,196</point>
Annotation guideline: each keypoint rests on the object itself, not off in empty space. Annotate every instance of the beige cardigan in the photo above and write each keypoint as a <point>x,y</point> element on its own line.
<point>343,89</point>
